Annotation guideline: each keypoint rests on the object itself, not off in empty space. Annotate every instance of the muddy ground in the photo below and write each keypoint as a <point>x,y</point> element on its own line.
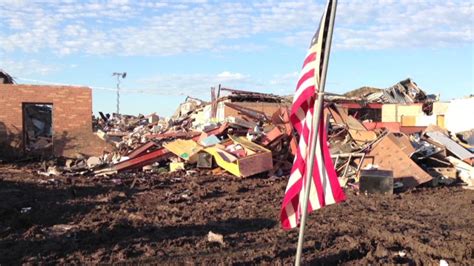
<point>166,220</point>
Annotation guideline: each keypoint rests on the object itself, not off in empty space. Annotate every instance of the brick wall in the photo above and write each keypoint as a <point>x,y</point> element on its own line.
<point>72,121</point>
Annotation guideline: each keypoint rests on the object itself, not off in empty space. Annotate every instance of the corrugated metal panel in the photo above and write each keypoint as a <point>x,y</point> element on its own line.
<point>450,144</point>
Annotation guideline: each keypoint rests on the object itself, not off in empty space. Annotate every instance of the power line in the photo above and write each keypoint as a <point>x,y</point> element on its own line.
<point>139,91</point>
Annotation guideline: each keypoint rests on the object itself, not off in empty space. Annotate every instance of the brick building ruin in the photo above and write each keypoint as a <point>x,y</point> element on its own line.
<point>47,120</point>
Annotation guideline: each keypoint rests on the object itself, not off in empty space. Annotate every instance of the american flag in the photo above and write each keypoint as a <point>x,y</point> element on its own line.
<point>325,188</point>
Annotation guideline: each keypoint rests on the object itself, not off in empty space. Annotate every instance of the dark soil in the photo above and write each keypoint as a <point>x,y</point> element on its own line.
<point>166,219</point>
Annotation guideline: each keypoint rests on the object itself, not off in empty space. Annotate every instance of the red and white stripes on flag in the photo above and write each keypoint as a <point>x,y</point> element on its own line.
<point>325,188</point>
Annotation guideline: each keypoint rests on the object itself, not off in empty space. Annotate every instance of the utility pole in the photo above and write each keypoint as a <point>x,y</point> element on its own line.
<point>119,75</point>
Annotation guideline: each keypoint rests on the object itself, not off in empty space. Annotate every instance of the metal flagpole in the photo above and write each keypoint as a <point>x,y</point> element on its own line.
<point>314,137</point>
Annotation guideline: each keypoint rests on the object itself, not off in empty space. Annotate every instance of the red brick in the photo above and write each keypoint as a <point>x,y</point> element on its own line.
<point>72,116</point>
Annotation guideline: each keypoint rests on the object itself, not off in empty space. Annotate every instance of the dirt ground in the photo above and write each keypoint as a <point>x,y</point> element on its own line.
<point>166,219</point>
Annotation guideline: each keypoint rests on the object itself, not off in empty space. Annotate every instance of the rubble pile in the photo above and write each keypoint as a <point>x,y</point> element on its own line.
<point>38,125</point>
<point>248,133</point>
<point>127,132</point>
<point>432,156</point>
<point>247,143</point>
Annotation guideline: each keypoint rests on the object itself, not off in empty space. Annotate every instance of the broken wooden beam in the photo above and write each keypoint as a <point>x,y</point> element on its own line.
<point>259,116</point>
<point>145,159</point>
<point>141,150</point>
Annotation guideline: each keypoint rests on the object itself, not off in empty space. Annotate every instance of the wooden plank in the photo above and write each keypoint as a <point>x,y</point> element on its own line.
<point>146,159</point>
<point>248,144</point>
<point>248,111</point>
<point>141,150</point>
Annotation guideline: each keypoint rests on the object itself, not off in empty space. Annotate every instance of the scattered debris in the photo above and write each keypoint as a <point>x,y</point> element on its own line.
<point>25,210</point>
<point>51,171</point>
<point>227,157</point>
<point>247,133</point>
<point>215,238</point>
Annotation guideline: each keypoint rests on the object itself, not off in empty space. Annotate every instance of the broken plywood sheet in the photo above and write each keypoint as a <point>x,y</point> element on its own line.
<point>362,136</point>
<point>341,117</point>
<point>392,152</point>
<point>185,149</point>
<point>403,142</point>
<point>356,129</point>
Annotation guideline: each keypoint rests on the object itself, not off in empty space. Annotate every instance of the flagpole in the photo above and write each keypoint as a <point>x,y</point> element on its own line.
<point>314,138</point>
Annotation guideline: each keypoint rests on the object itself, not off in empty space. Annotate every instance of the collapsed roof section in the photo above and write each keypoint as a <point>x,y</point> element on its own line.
<point>404,92</point>
<point>249,96</point>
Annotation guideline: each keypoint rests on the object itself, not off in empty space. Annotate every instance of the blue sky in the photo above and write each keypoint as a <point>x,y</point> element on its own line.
<point>171,49</point>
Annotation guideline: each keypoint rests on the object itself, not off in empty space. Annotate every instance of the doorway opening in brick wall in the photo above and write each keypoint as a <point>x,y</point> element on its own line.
<point>38,129</point>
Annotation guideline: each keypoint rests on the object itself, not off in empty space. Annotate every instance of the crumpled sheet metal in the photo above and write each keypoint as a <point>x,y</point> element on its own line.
<point>450,145</point>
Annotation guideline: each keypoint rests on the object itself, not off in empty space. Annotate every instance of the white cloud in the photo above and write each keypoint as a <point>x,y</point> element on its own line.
<point>198,84</point>
<point>405,24</point>
<point>396,24</point>
<point>122,27</point>
<point>284,84</point>
<point>284,79</point>
<point>26,68</point>
<point>227,76</point>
